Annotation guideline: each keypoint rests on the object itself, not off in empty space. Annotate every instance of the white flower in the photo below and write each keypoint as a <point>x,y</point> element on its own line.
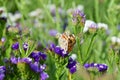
<point>102,25</point>
<point>118,40</point>
<point>73,56</point>
<point>89,24</point>
<point>114,39</point>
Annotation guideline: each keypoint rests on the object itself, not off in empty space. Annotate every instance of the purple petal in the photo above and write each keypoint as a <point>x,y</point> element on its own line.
<point>44,76</point>
<point>15,46</point>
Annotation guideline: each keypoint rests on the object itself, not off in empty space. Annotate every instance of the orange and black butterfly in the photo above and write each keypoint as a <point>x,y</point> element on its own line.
<point>66,41</point>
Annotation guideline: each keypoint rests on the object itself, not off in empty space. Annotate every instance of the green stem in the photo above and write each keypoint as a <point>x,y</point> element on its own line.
<point>88,50</point>
<point>69,76</point>
<point>96,10</point>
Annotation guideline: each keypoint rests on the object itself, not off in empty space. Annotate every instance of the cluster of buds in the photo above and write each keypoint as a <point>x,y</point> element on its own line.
<point>79,18</point>
<point>34,63</point>
<point>72,63</point>
<point>100,67</point>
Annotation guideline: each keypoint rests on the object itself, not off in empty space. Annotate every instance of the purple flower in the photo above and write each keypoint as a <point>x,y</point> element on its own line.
<point>2,76</point>
<point>53,32</point>
<point>35,67</point>
<point>52,46</point>
<point>79,17</point>
<point>43,56</point>
<point>86,65</point>
<point>35,55</point>
<point>2,72</point>
<point>73,69</point>
<point>25,46</point>
<point>42,67</point>
<point>71,65</point>
<point>15,46</point>
<point>26,60</point>
<point>14,60</point>
<point>58,50</point>
<point>93,65</point>
<point>102,67</point>
<point>44,76</point>
<point>2,69</point>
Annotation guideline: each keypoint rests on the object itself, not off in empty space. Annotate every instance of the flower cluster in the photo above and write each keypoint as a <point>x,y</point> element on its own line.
<point>91,26</point>
<point>72,64</point>
<point>35,66</point>
<point>37,55</point>
<point>79,17</point>
<point>58,50</point>
<point>100,67</point>
<point>2,72</point>
<point>15,60</point>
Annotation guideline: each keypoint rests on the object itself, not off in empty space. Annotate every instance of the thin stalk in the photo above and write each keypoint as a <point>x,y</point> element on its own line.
<point>90,45</point>
<point>69,76</point>
<point>96,10</point>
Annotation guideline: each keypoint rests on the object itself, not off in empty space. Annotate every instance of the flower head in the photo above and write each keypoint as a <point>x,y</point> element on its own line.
<point>71,65</point>
<point>79,17</point>
<point>35,67</point>
<point>2,72</point>
<point>58,50</point>
<point>14,60</point>
<point>44,76</point>
<point>90,26</point>
<point>15,46</point>
<point>100,67</point>
<point>35,55</point>
<point>26,60</point>
<point>25,46</point>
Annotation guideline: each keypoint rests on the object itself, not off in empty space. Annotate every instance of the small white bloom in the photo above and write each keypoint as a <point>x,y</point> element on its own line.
<point>118,40</point>
<point>73,56</point>
<point>95,64</point>
<point>89,24</point>
<point>102,25</point>
<point>114,39</point>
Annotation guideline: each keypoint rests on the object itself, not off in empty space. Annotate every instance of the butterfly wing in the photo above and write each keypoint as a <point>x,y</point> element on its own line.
<point>63,42</point>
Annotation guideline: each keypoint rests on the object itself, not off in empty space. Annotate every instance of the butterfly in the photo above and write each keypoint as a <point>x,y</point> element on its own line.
<point>66,41</point>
